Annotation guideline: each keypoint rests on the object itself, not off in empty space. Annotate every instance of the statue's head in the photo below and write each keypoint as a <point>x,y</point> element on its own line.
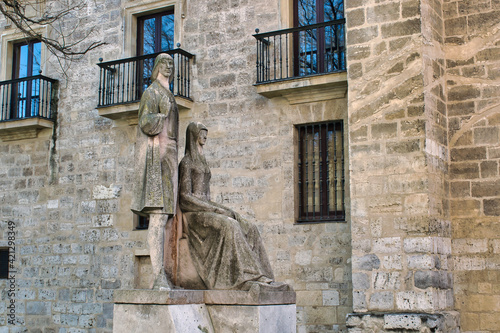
<point>164,64</point>
<point>195,133</point>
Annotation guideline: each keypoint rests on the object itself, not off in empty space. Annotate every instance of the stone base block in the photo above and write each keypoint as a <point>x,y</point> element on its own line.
<point>215,311</point>
<point>404,322</point>
<point>145,318</point>
<point>253,318</point>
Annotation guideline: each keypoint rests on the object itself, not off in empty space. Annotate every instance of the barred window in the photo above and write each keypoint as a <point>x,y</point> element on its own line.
<point>321,172</point>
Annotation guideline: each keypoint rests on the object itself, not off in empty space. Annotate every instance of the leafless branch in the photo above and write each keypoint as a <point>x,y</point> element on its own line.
<point>26,16</point>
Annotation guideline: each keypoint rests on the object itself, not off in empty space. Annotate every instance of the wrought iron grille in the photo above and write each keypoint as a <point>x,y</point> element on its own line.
<point>27,97</point>
<point>307,50</point>
<point>123,81</point>
<point>321,172</point>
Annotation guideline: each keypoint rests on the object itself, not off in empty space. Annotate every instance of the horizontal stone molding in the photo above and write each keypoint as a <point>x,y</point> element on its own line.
<point>23,128</point>
<point>307,89</point>
<point>130,111</point>
<point>219,297</point>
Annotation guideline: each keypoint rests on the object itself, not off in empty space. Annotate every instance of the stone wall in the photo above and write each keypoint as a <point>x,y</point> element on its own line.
<point>69,193</point>
<point>398,130</point>
<point>472,67</point>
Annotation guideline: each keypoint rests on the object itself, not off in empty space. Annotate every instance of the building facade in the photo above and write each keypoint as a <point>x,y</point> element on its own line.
<point>362,137</point>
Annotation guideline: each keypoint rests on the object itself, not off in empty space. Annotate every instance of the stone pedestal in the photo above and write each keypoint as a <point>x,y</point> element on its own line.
<point>160,311</point>
<point>214,311</point>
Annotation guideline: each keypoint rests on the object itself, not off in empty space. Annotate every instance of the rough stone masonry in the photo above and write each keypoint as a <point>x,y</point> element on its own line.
<point>419,250</point>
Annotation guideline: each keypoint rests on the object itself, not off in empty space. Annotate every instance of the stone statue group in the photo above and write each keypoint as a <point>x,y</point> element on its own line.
<point>226,250</point>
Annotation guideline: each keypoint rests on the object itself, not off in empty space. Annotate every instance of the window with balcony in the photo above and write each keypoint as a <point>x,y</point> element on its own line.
<point>320,172</point>
<point>315,45</point>
<point>29,93</point>
<point>28,99</point>
<point>311,54</point>
<point>123,81</point>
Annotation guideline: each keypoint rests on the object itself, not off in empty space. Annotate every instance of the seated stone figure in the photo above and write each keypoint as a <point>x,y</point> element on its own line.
<point>226,250</point>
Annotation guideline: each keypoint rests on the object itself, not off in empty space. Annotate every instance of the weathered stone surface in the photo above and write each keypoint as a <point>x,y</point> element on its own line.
<point>427,279</point>
<point>367,262</point>
<point>161,318</point>
<point>262,319</point>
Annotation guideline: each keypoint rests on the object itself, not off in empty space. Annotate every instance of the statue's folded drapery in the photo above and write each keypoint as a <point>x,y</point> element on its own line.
<point>227,250</point>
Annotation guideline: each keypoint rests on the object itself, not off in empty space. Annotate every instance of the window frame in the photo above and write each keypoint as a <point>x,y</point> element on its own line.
<point>9,39</point>
<point>325,214</point>
<point>30,97</point>
<point>17,55</point>
<point>320,49</point>
<point>133,11</point>
<point>140,29</point>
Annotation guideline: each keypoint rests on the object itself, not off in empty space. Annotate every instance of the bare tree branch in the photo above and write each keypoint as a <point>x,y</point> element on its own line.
<point>63,44</point>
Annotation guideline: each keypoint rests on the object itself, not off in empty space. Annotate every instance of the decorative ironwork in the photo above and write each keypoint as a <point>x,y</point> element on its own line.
<point>123,81</point>
<point>28,97</point>
<point>302,51</point>
<point>321,178</point>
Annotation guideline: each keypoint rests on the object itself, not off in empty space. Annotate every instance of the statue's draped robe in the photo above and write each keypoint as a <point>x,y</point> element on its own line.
<point>156,152</point>
<point>226,252</point>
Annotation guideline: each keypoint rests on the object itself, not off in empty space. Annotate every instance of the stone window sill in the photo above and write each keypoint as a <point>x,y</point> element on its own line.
<point>23,128</point>
<point>129,112</point>
<point>307,89</point>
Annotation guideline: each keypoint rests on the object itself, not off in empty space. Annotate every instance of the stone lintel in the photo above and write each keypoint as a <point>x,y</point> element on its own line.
<point>23,128</point>
<point>307,89</point>
<point>209,297</point>
<point>146,296</point>
<point>130,111</point>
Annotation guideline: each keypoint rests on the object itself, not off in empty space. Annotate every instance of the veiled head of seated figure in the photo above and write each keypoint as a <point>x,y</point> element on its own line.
<point>196,134</point>
<point>164,64</point>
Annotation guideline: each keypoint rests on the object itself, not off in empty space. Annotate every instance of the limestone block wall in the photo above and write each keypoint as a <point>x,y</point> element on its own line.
<point>472,67</point>
<point>69,192</point>
<point>398,156</point>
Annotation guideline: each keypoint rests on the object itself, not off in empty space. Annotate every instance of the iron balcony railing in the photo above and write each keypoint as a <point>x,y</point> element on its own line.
<point>29,97</point>
<point>123,81</point>
<point>302,51</point>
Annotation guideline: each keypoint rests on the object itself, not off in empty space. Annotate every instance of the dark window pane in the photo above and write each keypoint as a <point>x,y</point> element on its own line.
<point>4,263</point>
<point>142,222</point>
<point>167,32</point>
<point>334,10</point>
<point>149,37</point>
<point>22,68</point>
<point>36,58</point>
<point>306,12</point>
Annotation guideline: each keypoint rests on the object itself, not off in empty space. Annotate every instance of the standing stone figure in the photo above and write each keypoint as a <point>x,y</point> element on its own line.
<point>156,161</point>
<point>226,250</point>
